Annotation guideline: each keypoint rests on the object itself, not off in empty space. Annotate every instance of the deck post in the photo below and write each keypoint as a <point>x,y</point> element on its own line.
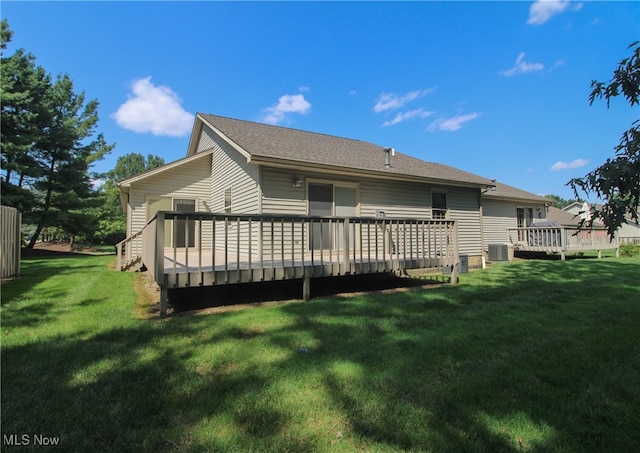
<point>306,289</point>
<point>164,301</point>
<point>119,253</point>
<point>456,255</point>
<point>159,262</point>
<point>345,245</point>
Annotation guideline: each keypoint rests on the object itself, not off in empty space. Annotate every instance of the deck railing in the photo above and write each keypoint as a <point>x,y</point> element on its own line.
<point>559,239</point>
<point>201,249</point>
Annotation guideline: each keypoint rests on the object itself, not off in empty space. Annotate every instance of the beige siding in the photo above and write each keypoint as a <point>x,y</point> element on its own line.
<point>278,195</point>
<point>189,181</point>
<point>497,217</point>
<point>207,140</point>
<point>231,171</point>
<point>395,199</point>
<point>464,207</point>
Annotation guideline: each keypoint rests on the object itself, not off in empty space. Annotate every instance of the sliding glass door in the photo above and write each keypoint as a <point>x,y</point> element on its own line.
<point>330,200</point>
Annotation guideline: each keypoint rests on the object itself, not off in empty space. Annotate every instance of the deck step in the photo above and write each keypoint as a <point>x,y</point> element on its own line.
<point>132,265</point>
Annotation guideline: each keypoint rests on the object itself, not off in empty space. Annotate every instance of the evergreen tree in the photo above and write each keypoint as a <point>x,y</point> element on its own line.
<point>64,157</point>
<point>48,144</point>
<point>23,85</point>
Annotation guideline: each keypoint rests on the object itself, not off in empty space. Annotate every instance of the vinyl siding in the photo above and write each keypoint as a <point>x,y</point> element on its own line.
<point>395,199</point>
<point>207,140</point>
<point>189,181</point>
<point>464,207</point>
<point>497,217</point>
<point>230,170</point>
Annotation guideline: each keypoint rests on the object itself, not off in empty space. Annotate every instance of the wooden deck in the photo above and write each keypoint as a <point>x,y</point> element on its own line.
<point>183,250</point>
<point>193,268</point>
<point>560,240</point>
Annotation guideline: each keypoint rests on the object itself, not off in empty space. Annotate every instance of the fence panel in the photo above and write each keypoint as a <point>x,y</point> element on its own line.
<point>11,244</point>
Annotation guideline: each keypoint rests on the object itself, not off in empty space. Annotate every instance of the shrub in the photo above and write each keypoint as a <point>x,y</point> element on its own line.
<point>630,249</point>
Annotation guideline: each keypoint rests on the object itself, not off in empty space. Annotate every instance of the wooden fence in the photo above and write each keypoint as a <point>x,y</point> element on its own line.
<point>10,242</point>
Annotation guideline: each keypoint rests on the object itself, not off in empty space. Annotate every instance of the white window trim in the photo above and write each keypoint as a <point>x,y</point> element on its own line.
<point>446,210</point>
<point>334,183</point>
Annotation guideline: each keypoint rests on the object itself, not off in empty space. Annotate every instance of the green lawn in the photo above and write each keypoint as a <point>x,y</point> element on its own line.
<point>542,352</point>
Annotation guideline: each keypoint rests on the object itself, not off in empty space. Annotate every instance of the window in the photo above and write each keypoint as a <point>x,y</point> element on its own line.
<point>438,205</point>
<point>184,231</point>
<point>227,200</point>
<point>525,217</point>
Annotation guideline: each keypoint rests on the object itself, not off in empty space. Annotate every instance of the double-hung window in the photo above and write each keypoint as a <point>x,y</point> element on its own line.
<point>438,205</point>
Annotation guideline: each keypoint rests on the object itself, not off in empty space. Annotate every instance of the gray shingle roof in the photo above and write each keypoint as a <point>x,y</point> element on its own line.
<point>503,191</point>
<point>293,145</point>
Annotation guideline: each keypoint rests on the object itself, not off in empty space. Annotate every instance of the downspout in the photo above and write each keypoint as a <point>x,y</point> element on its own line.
<point>481,212</point>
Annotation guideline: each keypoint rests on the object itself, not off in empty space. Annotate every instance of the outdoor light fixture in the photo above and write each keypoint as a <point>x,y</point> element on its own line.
<point>297,183</point>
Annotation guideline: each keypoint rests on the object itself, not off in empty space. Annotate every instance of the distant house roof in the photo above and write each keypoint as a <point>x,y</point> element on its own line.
<point>567,219</point>
<point>504,192</point>
<point>281,146</point>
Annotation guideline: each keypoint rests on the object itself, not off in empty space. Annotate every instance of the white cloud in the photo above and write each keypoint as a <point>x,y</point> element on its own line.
<point>522,67</point>
<point>568,165</point>
<point>392,101</point>
<point>558,64</point>
<point>543,10</point>
<point>155,109</point>
<point>451,124</point>
<point>287,104</point>
<point>400,117</point>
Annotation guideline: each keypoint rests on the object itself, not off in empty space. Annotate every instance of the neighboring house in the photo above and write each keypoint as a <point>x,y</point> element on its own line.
<point>505,207</point>
<point>628,232</point>
<point>561,232</point>
<point>263,190</point>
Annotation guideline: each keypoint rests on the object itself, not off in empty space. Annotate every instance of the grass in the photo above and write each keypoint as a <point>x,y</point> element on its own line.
<point>528,356</point>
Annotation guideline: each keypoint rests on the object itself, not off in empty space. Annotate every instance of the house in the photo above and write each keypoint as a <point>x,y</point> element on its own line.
<point>561,232</point>
<point>505,207</point>
<point>254,202</point>
<point>628,231</point>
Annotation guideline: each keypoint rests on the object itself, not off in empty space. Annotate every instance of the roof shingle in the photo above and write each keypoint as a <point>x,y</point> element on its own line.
<point>294,145</point>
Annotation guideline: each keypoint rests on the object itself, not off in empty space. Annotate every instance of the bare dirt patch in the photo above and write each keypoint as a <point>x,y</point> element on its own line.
<point>57,247</point>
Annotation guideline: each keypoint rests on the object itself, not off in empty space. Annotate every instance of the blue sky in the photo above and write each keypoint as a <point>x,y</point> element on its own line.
<point>499,89</point>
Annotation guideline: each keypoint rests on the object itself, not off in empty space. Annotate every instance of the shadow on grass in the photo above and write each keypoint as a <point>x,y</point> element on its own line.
<point>552,365</point>
<point>187,299</point>
<point>521,349</point>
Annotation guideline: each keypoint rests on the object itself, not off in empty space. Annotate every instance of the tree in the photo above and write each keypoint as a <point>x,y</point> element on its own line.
<point>23,86</point>
<point>560,202</point>
<point>48,144</point>
<point>64,157</point>
<point>113,222</point>
<point>617,180</point>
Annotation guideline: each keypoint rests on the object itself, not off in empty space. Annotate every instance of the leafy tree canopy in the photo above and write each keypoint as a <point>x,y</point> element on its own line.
<point>617,180</point>
<point>48,143</point>
<point>112,225</point>
<point>560,202</point>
